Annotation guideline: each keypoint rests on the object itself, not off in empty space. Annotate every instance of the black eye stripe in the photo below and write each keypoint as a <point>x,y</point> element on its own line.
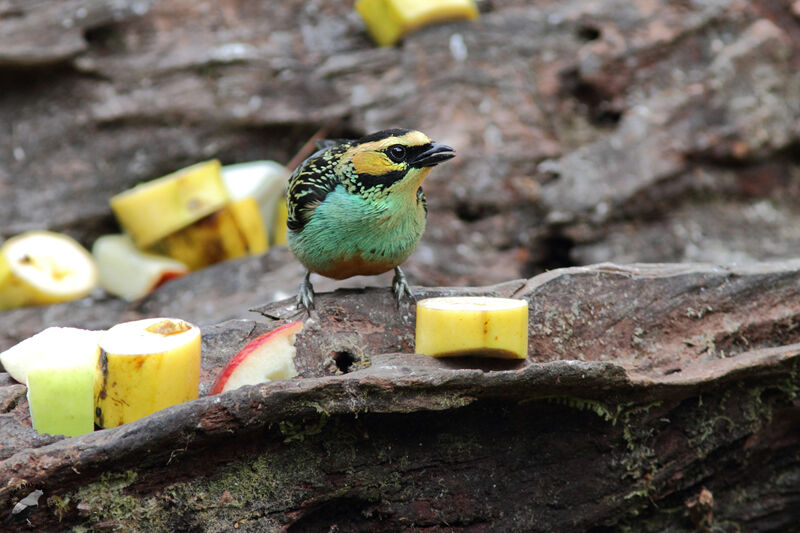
<point>411,152</point>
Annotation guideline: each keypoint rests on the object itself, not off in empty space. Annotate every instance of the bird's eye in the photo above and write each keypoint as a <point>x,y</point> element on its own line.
<point>396,152</point>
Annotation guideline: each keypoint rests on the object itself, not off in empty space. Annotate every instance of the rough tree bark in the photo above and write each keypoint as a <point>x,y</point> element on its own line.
<point>656,398</point>
<point>586,132</point>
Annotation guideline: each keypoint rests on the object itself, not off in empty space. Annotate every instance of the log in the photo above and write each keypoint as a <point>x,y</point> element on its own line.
<point>656,397</point>
<point>641,131</point>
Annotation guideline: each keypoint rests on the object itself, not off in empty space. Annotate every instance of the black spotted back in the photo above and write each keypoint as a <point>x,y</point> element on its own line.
<point>311,182</point>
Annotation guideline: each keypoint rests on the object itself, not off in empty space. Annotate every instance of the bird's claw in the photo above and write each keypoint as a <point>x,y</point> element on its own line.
<point>305,295</point>
<point>400,286</point>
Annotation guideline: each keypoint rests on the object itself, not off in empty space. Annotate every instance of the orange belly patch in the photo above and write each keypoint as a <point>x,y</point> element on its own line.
<point>356,266</point>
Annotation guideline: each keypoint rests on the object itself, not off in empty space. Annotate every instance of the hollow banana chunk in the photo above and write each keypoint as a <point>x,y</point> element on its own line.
<point>145,366</point>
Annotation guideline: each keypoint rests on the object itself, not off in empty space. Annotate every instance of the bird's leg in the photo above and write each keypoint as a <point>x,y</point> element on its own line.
<point>305,296</point>
<point>400,286</point>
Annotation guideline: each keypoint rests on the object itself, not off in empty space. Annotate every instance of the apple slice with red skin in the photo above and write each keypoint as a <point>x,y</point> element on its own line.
<point>267,357</point>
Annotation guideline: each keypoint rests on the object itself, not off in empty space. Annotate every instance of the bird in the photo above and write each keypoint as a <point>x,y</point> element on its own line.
<point>356,207</point>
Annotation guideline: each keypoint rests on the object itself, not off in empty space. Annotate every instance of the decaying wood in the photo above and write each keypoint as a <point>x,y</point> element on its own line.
<point>641,131</point>
<point>656,398</point>
<point>648,388</point>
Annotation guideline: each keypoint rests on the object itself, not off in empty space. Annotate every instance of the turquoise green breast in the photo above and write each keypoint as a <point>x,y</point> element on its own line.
<point>345,228</point>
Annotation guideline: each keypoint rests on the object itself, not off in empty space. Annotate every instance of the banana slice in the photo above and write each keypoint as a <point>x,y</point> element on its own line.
<point>247,214</point>
<point>234,231</point>
<point>128,272</point>
<point>153,210</point>
<point>41,267</point>
<point>263,180</point>
<point>278,236</point>
<point>389,20</point>
<point>472,325</point>
<point>145,366</point>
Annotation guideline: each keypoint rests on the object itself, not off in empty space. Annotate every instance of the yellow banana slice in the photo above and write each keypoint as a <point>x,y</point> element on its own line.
<point>153,210</point>
<point>389,20</point>
<point>41,267</point>
<point>472,325</point>
<point>247,213</point>
<point>229,233</point>
<point>145,366</point>
<point>265,181</point>
<point>278,237</point>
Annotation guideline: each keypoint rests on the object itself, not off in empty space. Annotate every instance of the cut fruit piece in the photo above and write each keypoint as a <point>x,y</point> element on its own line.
<point>153,210</point>
<point>265,358</point>
<point>472,325</point>
<point>234,231</point>
<point>145,366</point>
<point>41,267</point>
<point>263,180</point>
<point>247,214</point>
<point>278,237</point>
<point>61,395</point>
<point>389,20</point>
<point>58,366</point>
<point>46,346</point>
<point>130,273</point>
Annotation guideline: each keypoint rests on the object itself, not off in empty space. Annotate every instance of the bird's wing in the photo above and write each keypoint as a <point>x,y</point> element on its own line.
<point>310,183</point>
<point>421,199</point>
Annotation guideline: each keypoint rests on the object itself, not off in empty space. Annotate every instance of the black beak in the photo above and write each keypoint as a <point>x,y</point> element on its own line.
<point>433,156</point>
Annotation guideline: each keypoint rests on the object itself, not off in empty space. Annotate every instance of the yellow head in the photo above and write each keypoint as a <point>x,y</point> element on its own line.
<point>390,162</point>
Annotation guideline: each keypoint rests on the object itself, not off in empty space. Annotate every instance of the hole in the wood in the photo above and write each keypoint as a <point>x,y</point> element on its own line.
<point>588,33</point>
<point>344,360</point>
<point>472,213</point>
<point>597,102</point>
<point>340,514</point>
<point>558,251</point>
<point>102,38</point>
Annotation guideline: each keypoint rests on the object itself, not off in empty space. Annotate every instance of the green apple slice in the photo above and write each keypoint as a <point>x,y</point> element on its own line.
<point>52,343</point>
<point>60,378</point>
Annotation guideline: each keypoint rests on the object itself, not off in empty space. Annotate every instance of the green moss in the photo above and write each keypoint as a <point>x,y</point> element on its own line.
<point>105,500</point>
<point>299,431</point>
<point>59,505</point>
<point>606,412</point>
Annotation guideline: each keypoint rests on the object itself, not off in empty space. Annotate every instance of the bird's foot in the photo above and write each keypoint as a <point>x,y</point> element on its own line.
<point>400,286</point>
<point>305,295</point>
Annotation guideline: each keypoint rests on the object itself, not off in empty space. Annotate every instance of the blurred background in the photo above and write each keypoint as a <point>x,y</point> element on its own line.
<point>635,131</point>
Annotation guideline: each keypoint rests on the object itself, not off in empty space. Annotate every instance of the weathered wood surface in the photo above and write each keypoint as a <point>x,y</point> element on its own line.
<point>640,131</point>
<point>646,385</point>
<point>656,398</point>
